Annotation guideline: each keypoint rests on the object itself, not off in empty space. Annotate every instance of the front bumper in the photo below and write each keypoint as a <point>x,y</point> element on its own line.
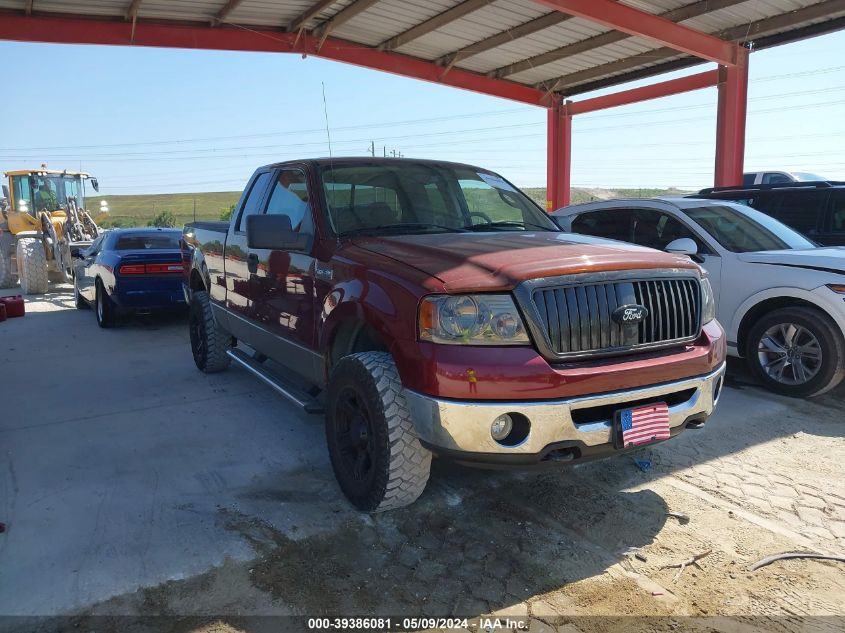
<point>572,429</point>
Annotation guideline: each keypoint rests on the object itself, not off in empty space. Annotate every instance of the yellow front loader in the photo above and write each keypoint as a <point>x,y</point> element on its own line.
<point>42,220</point>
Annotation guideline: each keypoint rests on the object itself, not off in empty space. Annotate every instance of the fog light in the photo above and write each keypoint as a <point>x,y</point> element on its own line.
<point>501,427</point>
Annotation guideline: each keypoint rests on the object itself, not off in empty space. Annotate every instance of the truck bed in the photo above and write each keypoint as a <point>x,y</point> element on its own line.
<point>209,225</point>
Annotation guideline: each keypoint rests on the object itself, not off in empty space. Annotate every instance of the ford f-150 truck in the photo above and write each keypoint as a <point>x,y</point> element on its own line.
<point>432,308</point>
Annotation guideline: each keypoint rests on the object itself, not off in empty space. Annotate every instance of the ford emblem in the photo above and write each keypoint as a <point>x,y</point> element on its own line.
<point>630,314</point>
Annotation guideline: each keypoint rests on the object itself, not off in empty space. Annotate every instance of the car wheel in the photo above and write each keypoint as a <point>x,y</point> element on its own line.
<point>105,310</point>
<point>32,266</point>
<point>375,454</point>
<point>209,342</point>
<point>796,352</point>
<point>78,300</point>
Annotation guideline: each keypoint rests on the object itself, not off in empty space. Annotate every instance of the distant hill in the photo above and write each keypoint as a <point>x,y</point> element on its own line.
<point>139,210</point>
<point>581,194</point>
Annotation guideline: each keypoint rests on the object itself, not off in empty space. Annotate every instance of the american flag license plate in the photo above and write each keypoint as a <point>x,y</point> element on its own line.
<point>641,425</point>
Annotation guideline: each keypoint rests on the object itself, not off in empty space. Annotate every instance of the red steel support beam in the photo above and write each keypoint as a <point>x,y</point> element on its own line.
<point>706,79</point>
<point>60,30</point>
<point>559,156</point>
<point>730,122</point>
<point>621,17</point>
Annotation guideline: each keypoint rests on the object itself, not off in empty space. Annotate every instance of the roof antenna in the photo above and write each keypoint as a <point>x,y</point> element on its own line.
<point>326,114</point>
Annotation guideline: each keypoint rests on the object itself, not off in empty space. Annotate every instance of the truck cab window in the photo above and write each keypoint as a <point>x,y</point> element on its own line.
<point>252,204</point>
<point>289,197</point>
<point>775,178</point>
<point>837,211</point>
<point>798,209</point>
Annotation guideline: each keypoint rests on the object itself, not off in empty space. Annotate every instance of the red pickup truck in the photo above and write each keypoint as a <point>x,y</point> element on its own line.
<point>433,308</point>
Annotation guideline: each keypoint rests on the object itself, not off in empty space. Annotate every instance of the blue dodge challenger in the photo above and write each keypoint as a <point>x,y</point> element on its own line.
<point>129,270</point>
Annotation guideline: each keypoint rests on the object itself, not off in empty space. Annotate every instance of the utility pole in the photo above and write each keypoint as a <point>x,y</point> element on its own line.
<point>195,209</point>
<point>373,149</point>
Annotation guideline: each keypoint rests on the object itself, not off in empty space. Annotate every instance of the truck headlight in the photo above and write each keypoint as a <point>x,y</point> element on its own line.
<point>471,320</point>
<point>708,301</point>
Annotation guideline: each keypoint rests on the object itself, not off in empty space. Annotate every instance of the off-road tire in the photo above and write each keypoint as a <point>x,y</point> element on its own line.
<point>78,300</point>
<point>209,342</point>
<point>829,336</point>
<point>7,279</point>
<point>32,266</point>
<point>104,308</point>
<point>400,465</point>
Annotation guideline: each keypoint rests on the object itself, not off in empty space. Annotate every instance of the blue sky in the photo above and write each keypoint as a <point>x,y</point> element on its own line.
<point>156,121</point>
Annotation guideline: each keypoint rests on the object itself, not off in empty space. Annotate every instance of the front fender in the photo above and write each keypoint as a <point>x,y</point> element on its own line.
<point>362,301</point>
<point>822,297</point>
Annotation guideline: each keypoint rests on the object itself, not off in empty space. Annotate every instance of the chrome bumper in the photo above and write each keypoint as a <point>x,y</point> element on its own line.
<point>464,426</point>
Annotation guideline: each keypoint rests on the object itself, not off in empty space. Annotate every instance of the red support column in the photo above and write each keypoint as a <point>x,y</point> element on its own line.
<point>730,123</point>
<point>559,156</point>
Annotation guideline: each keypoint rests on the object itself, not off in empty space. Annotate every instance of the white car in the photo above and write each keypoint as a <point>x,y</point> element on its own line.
<point>780,298</point>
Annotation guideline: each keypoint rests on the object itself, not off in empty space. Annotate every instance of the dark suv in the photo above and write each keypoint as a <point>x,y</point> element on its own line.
<point>816,209</point>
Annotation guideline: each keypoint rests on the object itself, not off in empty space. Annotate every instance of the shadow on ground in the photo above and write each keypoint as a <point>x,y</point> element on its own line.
<point>512,538</point>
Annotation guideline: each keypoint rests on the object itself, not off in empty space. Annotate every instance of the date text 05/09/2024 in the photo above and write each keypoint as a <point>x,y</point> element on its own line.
<point>416,624</point>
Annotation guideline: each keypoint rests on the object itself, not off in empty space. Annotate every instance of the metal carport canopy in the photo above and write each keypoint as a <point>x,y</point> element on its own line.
<point>539,52</point>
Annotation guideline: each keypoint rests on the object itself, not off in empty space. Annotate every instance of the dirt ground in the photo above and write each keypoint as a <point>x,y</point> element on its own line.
<point>589,548</point>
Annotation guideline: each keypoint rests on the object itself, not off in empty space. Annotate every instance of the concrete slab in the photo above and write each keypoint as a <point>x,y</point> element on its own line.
<point>133,484</point>
<point>118,455</point>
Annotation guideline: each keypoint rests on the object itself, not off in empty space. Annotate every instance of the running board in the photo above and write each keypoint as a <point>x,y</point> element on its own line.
<point>283,387</point>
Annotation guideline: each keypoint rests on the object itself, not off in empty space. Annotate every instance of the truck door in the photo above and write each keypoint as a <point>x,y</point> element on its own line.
<point>236,263</point>
<point>283,282</point>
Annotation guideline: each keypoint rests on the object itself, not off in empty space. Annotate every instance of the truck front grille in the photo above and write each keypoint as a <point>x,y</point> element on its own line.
<point>578,319</point>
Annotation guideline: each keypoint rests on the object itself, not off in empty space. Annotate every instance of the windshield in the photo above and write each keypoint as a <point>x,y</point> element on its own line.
<point>741,229</point>
<point>417,198</point>
<point>54,192</point>
<point>807,176</point>
<point>157,242</point>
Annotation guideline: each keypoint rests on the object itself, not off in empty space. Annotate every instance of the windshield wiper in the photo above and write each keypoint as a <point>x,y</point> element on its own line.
<point>506,223</point>
<point>402,226</point>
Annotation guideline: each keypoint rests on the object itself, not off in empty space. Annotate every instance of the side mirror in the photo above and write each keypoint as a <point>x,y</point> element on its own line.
<point>95,185</point>
<point>76,253</point>
<point>274,232</point>
<point>6,192</point>
<point>682,246</point>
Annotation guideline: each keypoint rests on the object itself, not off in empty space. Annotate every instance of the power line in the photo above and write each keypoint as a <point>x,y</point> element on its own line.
<point>427,120</point>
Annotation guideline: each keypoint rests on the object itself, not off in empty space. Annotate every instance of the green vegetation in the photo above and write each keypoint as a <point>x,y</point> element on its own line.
<point>226,214</point>
<point>126,211</point>
<point>164,220</point>
<point>140,210</point>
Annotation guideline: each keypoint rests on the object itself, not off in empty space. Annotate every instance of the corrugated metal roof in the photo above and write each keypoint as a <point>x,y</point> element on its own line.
<point>511,56</point>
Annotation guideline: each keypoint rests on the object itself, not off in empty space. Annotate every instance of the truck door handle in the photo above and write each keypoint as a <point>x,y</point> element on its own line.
<point>252,263</point>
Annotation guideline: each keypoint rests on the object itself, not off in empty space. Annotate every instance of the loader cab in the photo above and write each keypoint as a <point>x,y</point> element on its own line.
<point>35,192</point>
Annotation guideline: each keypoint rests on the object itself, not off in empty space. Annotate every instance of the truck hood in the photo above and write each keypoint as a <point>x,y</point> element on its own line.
<point>500,261</point>
<point>829,258</point>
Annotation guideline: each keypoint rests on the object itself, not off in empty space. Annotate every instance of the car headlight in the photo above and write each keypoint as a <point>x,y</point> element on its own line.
<point>837,288</point>
<point>471,320</point>
<point>708,301</point>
